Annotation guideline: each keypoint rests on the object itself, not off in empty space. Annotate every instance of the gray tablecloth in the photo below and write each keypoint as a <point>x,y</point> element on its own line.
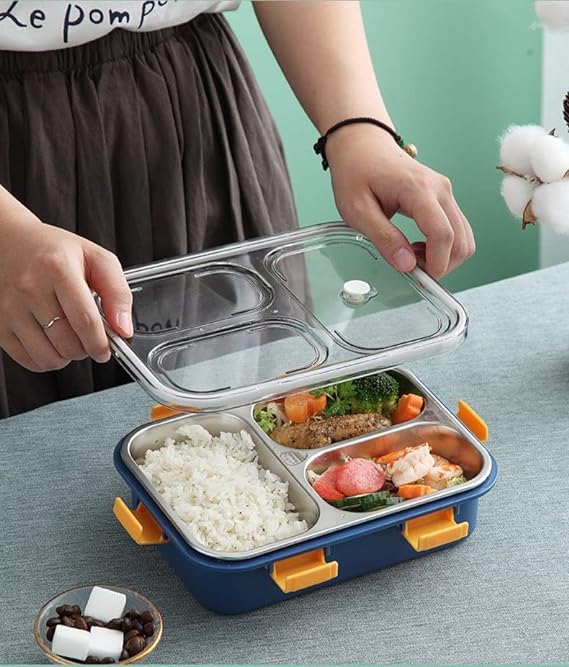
<point>501,596</point>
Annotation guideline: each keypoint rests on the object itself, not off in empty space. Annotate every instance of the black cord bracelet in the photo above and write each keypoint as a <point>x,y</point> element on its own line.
<point>320,145</point>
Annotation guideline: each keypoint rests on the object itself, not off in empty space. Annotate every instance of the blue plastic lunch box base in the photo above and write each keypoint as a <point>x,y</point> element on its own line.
<point>237,586</point>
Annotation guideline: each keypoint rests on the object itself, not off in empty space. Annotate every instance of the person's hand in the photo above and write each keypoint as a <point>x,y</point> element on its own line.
<point>46,272</point>
<point>373,179</point>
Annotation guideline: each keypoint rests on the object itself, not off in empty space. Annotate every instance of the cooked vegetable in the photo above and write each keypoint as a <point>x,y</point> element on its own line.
<point>300,407</point>
<point>270,416</point>
<point>339,399</point>
<point>408,491</point>
<point>296,407</point>
<point>161,412</point>
<point>317,404</point>
<point>369,505</point>
<point>359,476</point>
<point>266,420</point>
<point>375,393</point>
<point>455,481</point>
<point>393,456</point>
<point>318,433</point>
<point>367,502</point>
<point>408,407</point>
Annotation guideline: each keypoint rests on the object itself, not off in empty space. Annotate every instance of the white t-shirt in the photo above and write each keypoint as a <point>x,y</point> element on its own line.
<point>42,25</point>
<point>553,13</point>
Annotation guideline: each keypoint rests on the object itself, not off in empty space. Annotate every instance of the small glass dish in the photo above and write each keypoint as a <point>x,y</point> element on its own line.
<point>79,596</point>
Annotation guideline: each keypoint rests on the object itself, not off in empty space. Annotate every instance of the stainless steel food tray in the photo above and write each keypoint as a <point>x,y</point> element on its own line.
<point>446,434</point>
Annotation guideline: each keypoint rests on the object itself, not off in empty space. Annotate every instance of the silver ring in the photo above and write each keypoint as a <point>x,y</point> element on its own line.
<point>52,322</point>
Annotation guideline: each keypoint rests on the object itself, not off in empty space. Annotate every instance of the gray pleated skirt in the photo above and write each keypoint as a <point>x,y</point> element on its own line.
<point>152,145</point>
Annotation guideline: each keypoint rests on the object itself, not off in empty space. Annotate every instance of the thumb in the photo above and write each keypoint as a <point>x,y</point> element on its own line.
<point>370,219</point>
<point>105,276</point>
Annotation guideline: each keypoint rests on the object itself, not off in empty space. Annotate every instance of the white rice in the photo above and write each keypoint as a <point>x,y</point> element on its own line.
<point>218,489</point>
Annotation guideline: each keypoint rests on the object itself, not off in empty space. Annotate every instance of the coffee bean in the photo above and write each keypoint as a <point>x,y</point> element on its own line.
<point>129,634</point>
<point>94,622</point>
<point>89,620</point>
<point>67,620</point>
<point>148,629</point>
<point>127,624</point>
<point>65,610</point>
<point>125,655</point>
<point>107,661</point>
<point>147,617</point>
<point>49,634</point>
<point>135,615</point>
<point>92,660</point>
<point>137,625</point>
<point>75,610</point>
<point>115,624</point>
<point>81,623</point>
<point>135,645</point>
<point>53,621</point>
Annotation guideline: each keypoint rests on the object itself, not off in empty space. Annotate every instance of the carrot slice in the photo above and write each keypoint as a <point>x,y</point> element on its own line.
<point>161,412</point>
<point>296,407</point>
<point>300,407</point>
<point>408,407</point>
<point>393,456</point>
<point>317,404</point>
<point>413,490</point>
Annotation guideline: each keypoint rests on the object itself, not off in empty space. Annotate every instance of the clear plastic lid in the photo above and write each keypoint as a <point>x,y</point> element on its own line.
<point>263,318</point>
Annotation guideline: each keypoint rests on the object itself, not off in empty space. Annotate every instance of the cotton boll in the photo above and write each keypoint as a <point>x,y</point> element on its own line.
<point>517,192</point>
<point>550,158</point>
<point>553,13</point>
<point>516,146</point>
<point>550,205</point>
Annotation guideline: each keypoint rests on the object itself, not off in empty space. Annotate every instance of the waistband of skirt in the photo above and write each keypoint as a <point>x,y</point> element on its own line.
<point>117,45</point>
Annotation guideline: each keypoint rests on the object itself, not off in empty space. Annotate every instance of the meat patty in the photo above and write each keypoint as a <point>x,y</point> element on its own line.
<point>318,433</point>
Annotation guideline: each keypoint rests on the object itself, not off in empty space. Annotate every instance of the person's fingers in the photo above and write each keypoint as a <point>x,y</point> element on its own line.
<point>365,215</point>
<point>14,349</point>
<point>34,341</point>
<point>106,277</point>
<point>469,233</point>
<point>60,334</point>
<point>81,312</point>
<point>463,245</point>
<point>420,250</point>
<point>435,225</point>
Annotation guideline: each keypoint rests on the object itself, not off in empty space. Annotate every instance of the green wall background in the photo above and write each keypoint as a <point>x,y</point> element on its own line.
<point>454,74</point>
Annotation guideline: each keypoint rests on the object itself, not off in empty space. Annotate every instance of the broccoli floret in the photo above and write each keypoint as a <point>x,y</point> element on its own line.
<point>376,393</point>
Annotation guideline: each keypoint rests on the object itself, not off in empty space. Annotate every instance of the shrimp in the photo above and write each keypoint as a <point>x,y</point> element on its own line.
<point>413,464</point>
<point>441,472</point>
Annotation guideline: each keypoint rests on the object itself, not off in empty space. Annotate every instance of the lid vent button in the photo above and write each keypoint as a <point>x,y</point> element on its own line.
<point>356,292</point>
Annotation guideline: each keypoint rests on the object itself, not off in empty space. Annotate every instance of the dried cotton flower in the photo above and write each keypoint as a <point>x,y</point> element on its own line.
<point>517,192</point>
<point>516,146</point>
<point>550,205</point>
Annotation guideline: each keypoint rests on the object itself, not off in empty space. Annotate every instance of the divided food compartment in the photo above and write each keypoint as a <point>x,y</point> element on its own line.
<point>445,433</point>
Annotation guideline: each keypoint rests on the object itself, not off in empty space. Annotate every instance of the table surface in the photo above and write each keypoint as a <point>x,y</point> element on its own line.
<point>501,596</point>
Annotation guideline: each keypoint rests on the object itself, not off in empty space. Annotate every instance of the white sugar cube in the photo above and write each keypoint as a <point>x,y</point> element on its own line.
<point>105,643</point>
<point>71,642</point>
<point>104,605</point>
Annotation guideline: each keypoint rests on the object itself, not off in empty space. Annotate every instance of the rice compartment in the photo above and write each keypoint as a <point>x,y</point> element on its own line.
<point>220,492</point>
